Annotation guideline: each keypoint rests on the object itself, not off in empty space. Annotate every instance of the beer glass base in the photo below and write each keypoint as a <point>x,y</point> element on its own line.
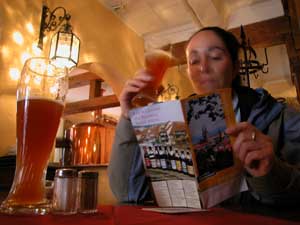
<point>63,212</point>
<point>88,211</point>
<point>29,209</point>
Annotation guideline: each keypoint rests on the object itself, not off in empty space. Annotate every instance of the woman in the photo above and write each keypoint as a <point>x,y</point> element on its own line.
<point>267,137</point>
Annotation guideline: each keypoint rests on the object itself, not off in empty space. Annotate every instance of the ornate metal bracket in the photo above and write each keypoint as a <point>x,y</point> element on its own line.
<point>249,64</point>
<point>51,20</point>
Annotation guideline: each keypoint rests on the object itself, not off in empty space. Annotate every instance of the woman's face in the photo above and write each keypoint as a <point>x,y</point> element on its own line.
<point>209,63</point>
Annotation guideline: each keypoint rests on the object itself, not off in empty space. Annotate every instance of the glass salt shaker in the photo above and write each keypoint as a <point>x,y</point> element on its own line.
<point>64,193</point>
<point>87,191</point>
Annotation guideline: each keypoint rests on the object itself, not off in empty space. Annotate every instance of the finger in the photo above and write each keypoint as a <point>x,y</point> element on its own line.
<point>135,85</point>
<point>136,82</point>
<point>244,136</point>
<point>128,94</point>
<point>132,90</point>
<point>143,75</point>
<point>253,158</point>
<point>244,149</point>
<point>239,127</point>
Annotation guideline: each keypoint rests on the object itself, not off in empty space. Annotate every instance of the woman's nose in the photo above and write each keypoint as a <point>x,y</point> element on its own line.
<point>204,65</point>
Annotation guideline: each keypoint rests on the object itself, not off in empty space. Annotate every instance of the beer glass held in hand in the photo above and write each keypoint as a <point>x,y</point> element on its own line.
<point>40,102</point>
<point>156,62</point>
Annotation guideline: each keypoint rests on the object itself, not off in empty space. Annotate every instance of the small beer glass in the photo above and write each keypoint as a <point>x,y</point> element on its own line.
<point>156,63</point>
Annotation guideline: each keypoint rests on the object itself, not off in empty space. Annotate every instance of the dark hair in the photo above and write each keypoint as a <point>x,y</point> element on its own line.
<point>231,43</point>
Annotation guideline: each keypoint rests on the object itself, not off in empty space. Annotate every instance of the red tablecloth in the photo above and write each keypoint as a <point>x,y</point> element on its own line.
<point>134,215</point>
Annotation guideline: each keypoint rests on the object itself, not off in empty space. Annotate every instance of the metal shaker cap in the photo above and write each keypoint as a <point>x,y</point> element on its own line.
<point>66,172</point>
<point>87,174</point>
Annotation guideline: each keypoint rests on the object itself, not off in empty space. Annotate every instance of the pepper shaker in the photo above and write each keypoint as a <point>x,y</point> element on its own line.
<point>87,191</point>
<point>64,193</point>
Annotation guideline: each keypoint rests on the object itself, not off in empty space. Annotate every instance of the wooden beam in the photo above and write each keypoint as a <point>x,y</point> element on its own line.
<point>91,104</point>
<point>266,33</point>
<point>178,51</point>
<point>293,10</point>
<point>294,60</point>
<point>82,79</point>
<point>297,8</point>
<point>295,63</point>
<point>293,53</point>
<point>95,89</point>
<point>261,34</point>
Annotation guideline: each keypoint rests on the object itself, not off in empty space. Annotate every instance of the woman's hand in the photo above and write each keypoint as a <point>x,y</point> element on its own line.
<point>253,148</point>
<point>131,88</point>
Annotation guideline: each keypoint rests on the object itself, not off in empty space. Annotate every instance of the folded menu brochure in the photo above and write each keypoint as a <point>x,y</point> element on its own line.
<point>186,153</point>
<point>174,210</point>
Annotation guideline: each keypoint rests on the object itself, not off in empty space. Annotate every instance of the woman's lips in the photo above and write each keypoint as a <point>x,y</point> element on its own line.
<point>207,81</point>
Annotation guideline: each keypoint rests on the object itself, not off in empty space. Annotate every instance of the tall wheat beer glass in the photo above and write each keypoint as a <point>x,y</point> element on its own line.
<point>40,102</point>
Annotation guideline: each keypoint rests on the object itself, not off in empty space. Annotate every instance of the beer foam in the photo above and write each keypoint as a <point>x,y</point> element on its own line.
<point>156,52</point>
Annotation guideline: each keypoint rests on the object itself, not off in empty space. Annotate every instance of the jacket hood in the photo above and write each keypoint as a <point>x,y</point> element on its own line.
<point>265,110</point>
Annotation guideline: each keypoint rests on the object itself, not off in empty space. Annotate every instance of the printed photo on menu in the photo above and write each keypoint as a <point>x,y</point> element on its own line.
<point>206,122</point>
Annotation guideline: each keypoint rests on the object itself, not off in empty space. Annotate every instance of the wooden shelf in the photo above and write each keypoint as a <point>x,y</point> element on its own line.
<point>95,101</point>
<point>83,79</point>
<point>91,104</point>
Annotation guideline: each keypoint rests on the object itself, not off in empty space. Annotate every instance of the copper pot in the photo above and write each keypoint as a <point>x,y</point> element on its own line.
<point>86,143</point>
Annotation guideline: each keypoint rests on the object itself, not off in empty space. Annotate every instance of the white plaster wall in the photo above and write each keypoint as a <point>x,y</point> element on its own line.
<point>278,80</point>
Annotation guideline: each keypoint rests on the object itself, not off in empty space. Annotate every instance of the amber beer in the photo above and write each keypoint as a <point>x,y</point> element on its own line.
<point>37,124</point>
<point>156,63</point>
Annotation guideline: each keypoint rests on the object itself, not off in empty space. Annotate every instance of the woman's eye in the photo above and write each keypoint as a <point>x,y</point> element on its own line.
<point>194,61</point>
<point>214,57</point>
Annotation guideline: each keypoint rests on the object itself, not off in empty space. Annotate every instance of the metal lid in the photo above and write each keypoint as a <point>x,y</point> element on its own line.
<point>88,174</point>
<point>66,172</point>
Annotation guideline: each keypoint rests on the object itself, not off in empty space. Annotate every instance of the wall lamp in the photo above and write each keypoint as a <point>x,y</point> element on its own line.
<point>65,45</point>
